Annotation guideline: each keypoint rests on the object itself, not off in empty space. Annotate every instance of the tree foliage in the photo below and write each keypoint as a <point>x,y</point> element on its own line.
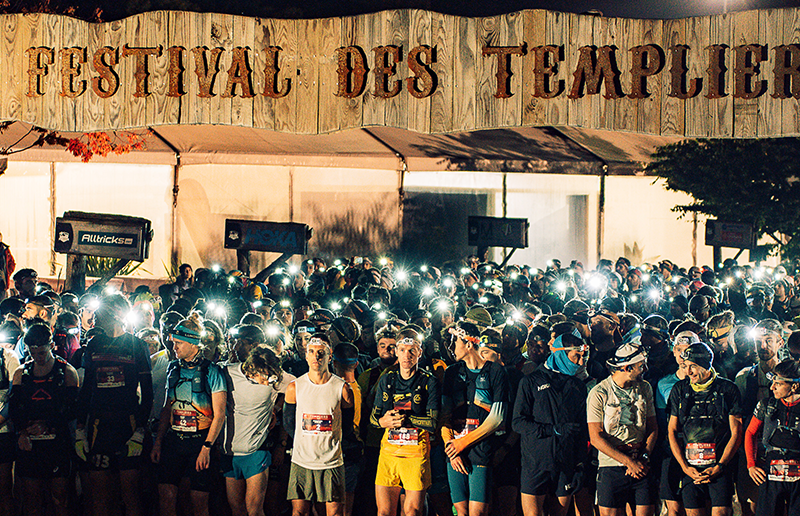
<point>85,146</point>
<point>737,180</point>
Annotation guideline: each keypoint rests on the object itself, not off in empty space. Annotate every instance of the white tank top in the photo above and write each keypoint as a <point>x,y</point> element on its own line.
<point>318,424</point>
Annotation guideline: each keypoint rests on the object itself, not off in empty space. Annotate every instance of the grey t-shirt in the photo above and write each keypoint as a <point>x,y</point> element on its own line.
<point>248,411</point>
<point>622,412</point>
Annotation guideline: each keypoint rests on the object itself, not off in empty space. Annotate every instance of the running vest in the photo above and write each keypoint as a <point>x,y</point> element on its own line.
<point>43,400</point>
<point>781,433</point>
<point>318,426</point>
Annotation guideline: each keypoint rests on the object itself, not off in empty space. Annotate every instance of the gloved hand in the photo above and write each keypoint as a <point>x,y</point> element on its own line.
<point>565,429</point>
<point>134,444</point>
<point>81,443</point>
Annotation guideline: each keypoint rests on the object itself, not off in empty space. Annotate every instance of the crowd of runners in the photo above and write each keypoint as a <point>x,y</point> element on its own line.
<point>363,386</point>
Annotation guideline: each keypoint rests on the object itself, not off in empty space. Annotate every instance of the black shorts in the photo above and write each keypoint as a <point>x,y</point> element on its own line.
<point>670,482</point>
<point>8,447</point>
<point>179,459</point>
<point>616,489</point>
<point>507,473</point>
<point>550,482</point>
<point>772,496</point>
<point>43,467</point>
<point>109,435</point>
<point>719,491</point>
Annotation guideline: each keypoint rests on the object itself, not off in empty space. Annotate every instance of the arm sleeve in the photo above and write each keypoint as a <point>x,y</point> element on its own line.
<point>524,422</point>
<point>492,422</point>
<point>289,413</point>
<point>378,408</point>
<point>430,421</point>
<point>85,392</point>
<point>750,440</point>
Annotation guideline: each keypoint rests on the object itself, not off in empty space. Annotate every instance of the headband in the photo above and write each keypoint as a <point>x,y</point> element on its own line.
<point>773,377</point>
<point>718,333</point>
<point>575,333</point>
<point>460,333</point>
<point>187,334</point>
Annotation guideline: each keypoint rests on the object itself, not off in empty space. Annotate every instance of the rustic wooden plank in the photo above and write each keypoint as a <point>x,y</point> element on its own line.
<point>698,108</point>
<point>351,109</point>
<point>584,111</point>
<point>222,34</point>
<point>307,90</point>
<point>790,124</point>
<point>534,110</point>
<point>509,110</point>
<point>558,32</point>
<point>114,36</point>
<point>464,84</point>
<point>51,103</point>
<point>770,110</point>
<point>73,34</point>
<point>155,36</point>
<point>31,33</point>
<point>744,31</point>
<point>721,110</point>
<point>673,114</point>
<point>329,38</point>
<point>15,42</point>
<point>371,29</point>
<point>609,31</point>
<point>175,109</point>
<point>488,35</point>
<point>286,107</point>
<point>199,108</point>
<point>243,36</point>
<point>650,109</point>
<point>94,117</point>
<point>629,33</point>
<point>419,110</point>
<point>442,40</point>
<point>263,106</point>
<point>396,24</point>
<point>134,109</point>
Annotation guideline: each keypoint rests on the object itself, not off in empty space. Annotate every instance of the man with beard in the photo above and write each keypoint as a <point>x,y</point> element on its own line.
<point>754,386</point>
<point>371,436</point>
<point>25,283</point>
<point>606,335</point>
<point>622,426</point>
<point>39,309</point>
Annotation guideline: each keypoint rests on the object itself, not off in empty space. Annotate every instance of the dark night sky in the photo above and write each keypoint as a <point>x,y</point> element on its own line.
<point>115,9</point>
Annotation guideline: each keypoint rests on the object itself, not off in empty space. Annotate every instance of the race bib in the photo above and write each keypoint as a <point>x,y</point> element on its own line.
<point>39,431</point>
<point>469,426</point>
<point>784,471</point>
<point>403,436</point>
<point>316,424</point>
<point>184,420</point>
<point>701,454</point>
<point>109,377</point>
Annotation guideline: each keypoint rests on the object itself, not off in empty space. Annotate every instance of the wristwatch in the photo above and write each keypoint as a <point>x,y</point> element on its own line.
<point>208,444</point>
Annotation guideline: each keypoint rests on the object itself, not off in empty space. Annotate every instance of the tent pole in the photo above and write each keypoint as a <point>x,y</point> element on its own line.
<point>401,170</point>
<point>174,259</point>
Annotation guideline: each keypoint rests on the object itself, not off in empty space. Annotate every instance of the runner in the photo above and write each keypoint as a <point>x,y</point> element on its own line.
<point>253,388</point>
<point>622,426</point>
<point>407,405</point>
<point>475,398</point>
<point>112,416</point>
<point>319,407</point>
<point>705,431</point>
<point>41,404</point>
<point>190,421</point>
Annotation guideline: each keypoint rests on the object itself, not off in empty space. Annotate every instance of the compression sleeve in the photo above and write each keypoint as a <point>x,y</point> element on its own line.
<point>490,424</point>
<point>289,414</point>
<point>750,441</point>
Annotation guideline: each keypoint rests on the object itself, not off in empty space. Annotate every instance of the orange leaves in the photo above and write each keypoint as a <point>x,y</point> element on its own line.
<point>102,144</point>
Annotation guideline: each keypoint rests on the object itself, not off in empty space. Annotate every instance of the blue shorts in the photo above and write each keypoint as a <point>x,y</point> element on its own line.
<point>242,467</point>
<point>475,487</point>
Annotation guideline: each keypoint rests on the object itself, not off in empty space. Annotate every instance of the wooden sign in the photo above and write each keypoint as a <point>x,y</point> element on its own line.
<point>733,75</point>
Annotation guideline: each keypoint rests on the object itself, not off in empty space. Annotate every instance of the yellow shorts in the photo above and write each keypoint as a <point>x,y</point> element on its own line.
<point>412,473</point>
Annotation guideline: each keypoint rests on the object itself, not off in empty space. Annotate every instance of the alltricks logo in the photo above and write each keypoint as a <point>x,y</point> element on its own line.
<point>107,239</point>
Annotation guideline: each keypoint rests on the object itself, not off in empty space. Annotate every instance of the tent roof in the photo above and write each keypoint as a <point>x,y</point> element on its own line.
<point>548,149</point>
